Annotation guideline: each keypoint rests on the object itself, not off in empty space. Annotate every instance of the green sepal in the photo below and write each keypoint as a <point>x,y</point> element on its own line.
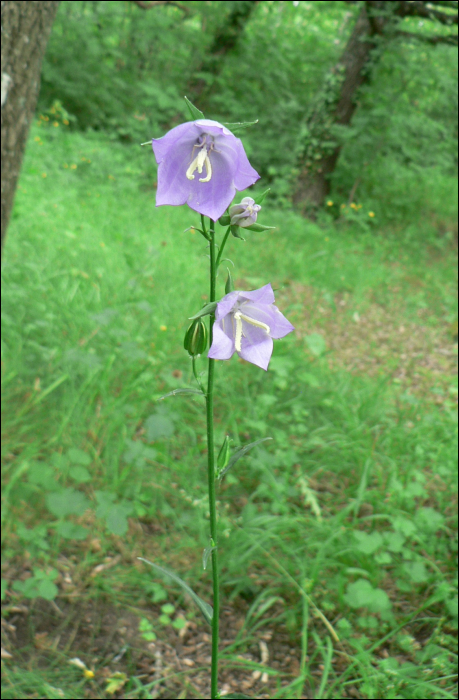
<point>206,310</point>
<point>239,126</point>
<point>229,286</point>
<point>194,111</point>
<point>224,455</point>
<point>204,607</point>
<point>235,231</point>
<point>262,196</point>
<point>259,228</point>
<point>238,454</point>
<point>224,220</point>
<point>196,338</point>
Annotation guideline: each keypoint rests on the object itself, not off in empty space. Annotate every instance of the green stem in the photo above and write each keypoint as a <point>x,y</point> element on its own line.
<point>211,477</point>
<point>222,247</point>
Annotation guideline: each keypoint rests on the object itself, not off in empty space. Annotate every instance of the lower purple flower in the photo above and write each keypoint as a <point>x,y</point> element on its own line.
<point>246,323</point>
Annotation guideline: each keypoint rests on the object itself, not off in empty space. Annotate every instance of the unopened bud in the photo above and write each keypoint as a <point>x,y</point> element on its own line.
<point>224,454</point>
<point>196,338</point>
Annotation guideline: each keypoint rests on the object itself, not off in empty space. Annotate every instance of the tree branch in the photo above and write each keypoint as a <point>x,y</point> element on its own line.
<point>450,39</point>
<point>417,8</point>
<point>154,3</point>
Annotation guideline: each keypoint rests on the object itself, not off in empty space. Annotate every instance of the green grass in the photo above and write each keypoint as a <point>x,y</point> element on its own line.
<point>339,533</point>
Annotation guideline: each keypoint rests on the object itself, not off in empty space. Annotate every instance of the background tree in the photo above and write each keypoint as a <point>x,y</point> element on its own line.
<point>377,23</point>
<point>225,40</point>
<point>26,27</point>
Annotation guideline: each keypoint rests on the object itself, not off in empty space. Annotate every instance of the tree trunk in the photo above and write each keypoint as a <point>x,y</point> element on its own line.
<point>26,27</point>
<point>335,105</point>
<point>225,40</point>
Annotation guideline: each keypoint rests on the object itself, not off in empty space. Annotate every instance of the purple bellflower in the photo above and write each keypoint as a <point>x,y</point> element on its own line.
<point>246,323</point>
<point>245,213</point>
<point>201,164</point>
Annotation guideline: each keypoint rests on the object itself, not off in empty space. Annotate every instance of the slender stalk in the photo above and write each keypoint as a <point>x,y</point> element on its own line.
<point>211,477</point>
<point>222,247</point>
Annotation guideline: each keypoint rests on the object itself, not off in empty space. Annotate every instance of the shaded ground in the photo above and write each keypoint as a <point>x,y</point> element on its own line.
<point>378,341</point>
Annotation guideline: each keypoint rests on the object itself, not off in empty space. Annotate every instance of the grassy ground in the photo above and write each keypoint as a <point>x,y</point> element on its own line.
<point>339,547</point>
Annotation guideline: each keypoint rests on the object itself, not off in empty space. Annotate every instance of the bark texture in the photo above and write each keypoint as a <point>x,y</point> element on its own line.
<point>26,27</point>
<point>376,23</point>
<point>335,105</point>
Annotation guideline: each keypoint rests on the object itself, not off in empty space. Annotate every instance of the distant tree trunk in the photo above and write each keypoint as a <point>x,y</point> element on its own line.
<point>334,105</point>
<point>225,40</point>
<point>26,27</point>
<point>376,23</point>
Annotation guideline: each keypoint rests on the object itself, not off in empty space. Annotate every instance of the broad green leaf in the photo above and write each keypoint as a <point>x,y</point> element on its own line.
<point>361,594</point>
<point>368,542</point>
<point>79,474</point>
<point>72,531</point>
<point>181,391</point>
<point>66,502</point>
<point>238,454</point>
<point>417,571</point>
<point>205,311</point>
<point>77,456</point>
<point>204,607</point>
<point>194,111</point>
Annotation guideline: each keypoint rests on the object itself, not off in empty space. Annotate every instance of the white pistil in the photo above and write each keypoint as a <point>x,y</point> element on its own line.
<point>198,163</point>
<point>239,317</point>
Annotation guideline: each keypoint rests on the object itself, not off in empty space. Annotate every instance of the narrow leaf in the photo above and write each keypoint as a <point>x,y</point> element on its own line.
<point>258,228</point>
<point>263,195</point>
<point>240,453</point>
<point>239,126</point>
<point>181,391</point>
<point>205,311</point>
<point>195,112</point>
<point>204,607</point>
<point>234,695</point>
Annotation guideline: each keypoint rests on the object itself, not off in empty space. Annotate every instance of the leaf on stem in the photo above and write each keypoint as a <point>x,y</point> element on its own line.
<point>204,607</point>
<point>205,311</point>
<point>239,126</point>
<point>234,695</point>
<point>181,391</point>
<point>238,454</point>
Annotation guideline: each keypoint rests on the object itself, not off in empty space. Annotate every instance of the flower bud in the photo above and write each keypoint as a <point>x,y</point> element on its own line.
<point>196,338</point>
<point>224,454</point>
<point>245,213</point>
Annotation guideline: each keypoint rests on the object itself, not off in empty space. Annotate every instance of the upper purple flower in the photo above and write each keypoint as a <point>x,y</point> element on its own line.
<point>246,323</point>
<point>202,164</point>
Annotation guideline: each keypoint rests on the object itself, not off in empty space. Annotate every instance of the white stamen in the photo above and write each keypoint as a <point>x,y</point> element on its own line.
<point>209,170</point>
<point>201,160</point>
<point>238,338</point>
<point>239,316</point>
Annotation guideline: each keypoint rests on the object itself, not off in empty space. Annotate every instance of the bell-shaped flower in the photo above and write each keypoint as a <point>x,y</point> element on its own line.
<point>246,323</point>
<point>202,164</point>
<point>245,213</point>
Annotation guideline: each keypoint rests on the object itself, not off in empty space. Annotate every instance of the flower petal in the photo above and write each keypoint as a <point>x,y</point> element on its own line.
<point>259,354</point>
<point>281,326</point>
<point>222,347</point>
<point>265,295</point>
